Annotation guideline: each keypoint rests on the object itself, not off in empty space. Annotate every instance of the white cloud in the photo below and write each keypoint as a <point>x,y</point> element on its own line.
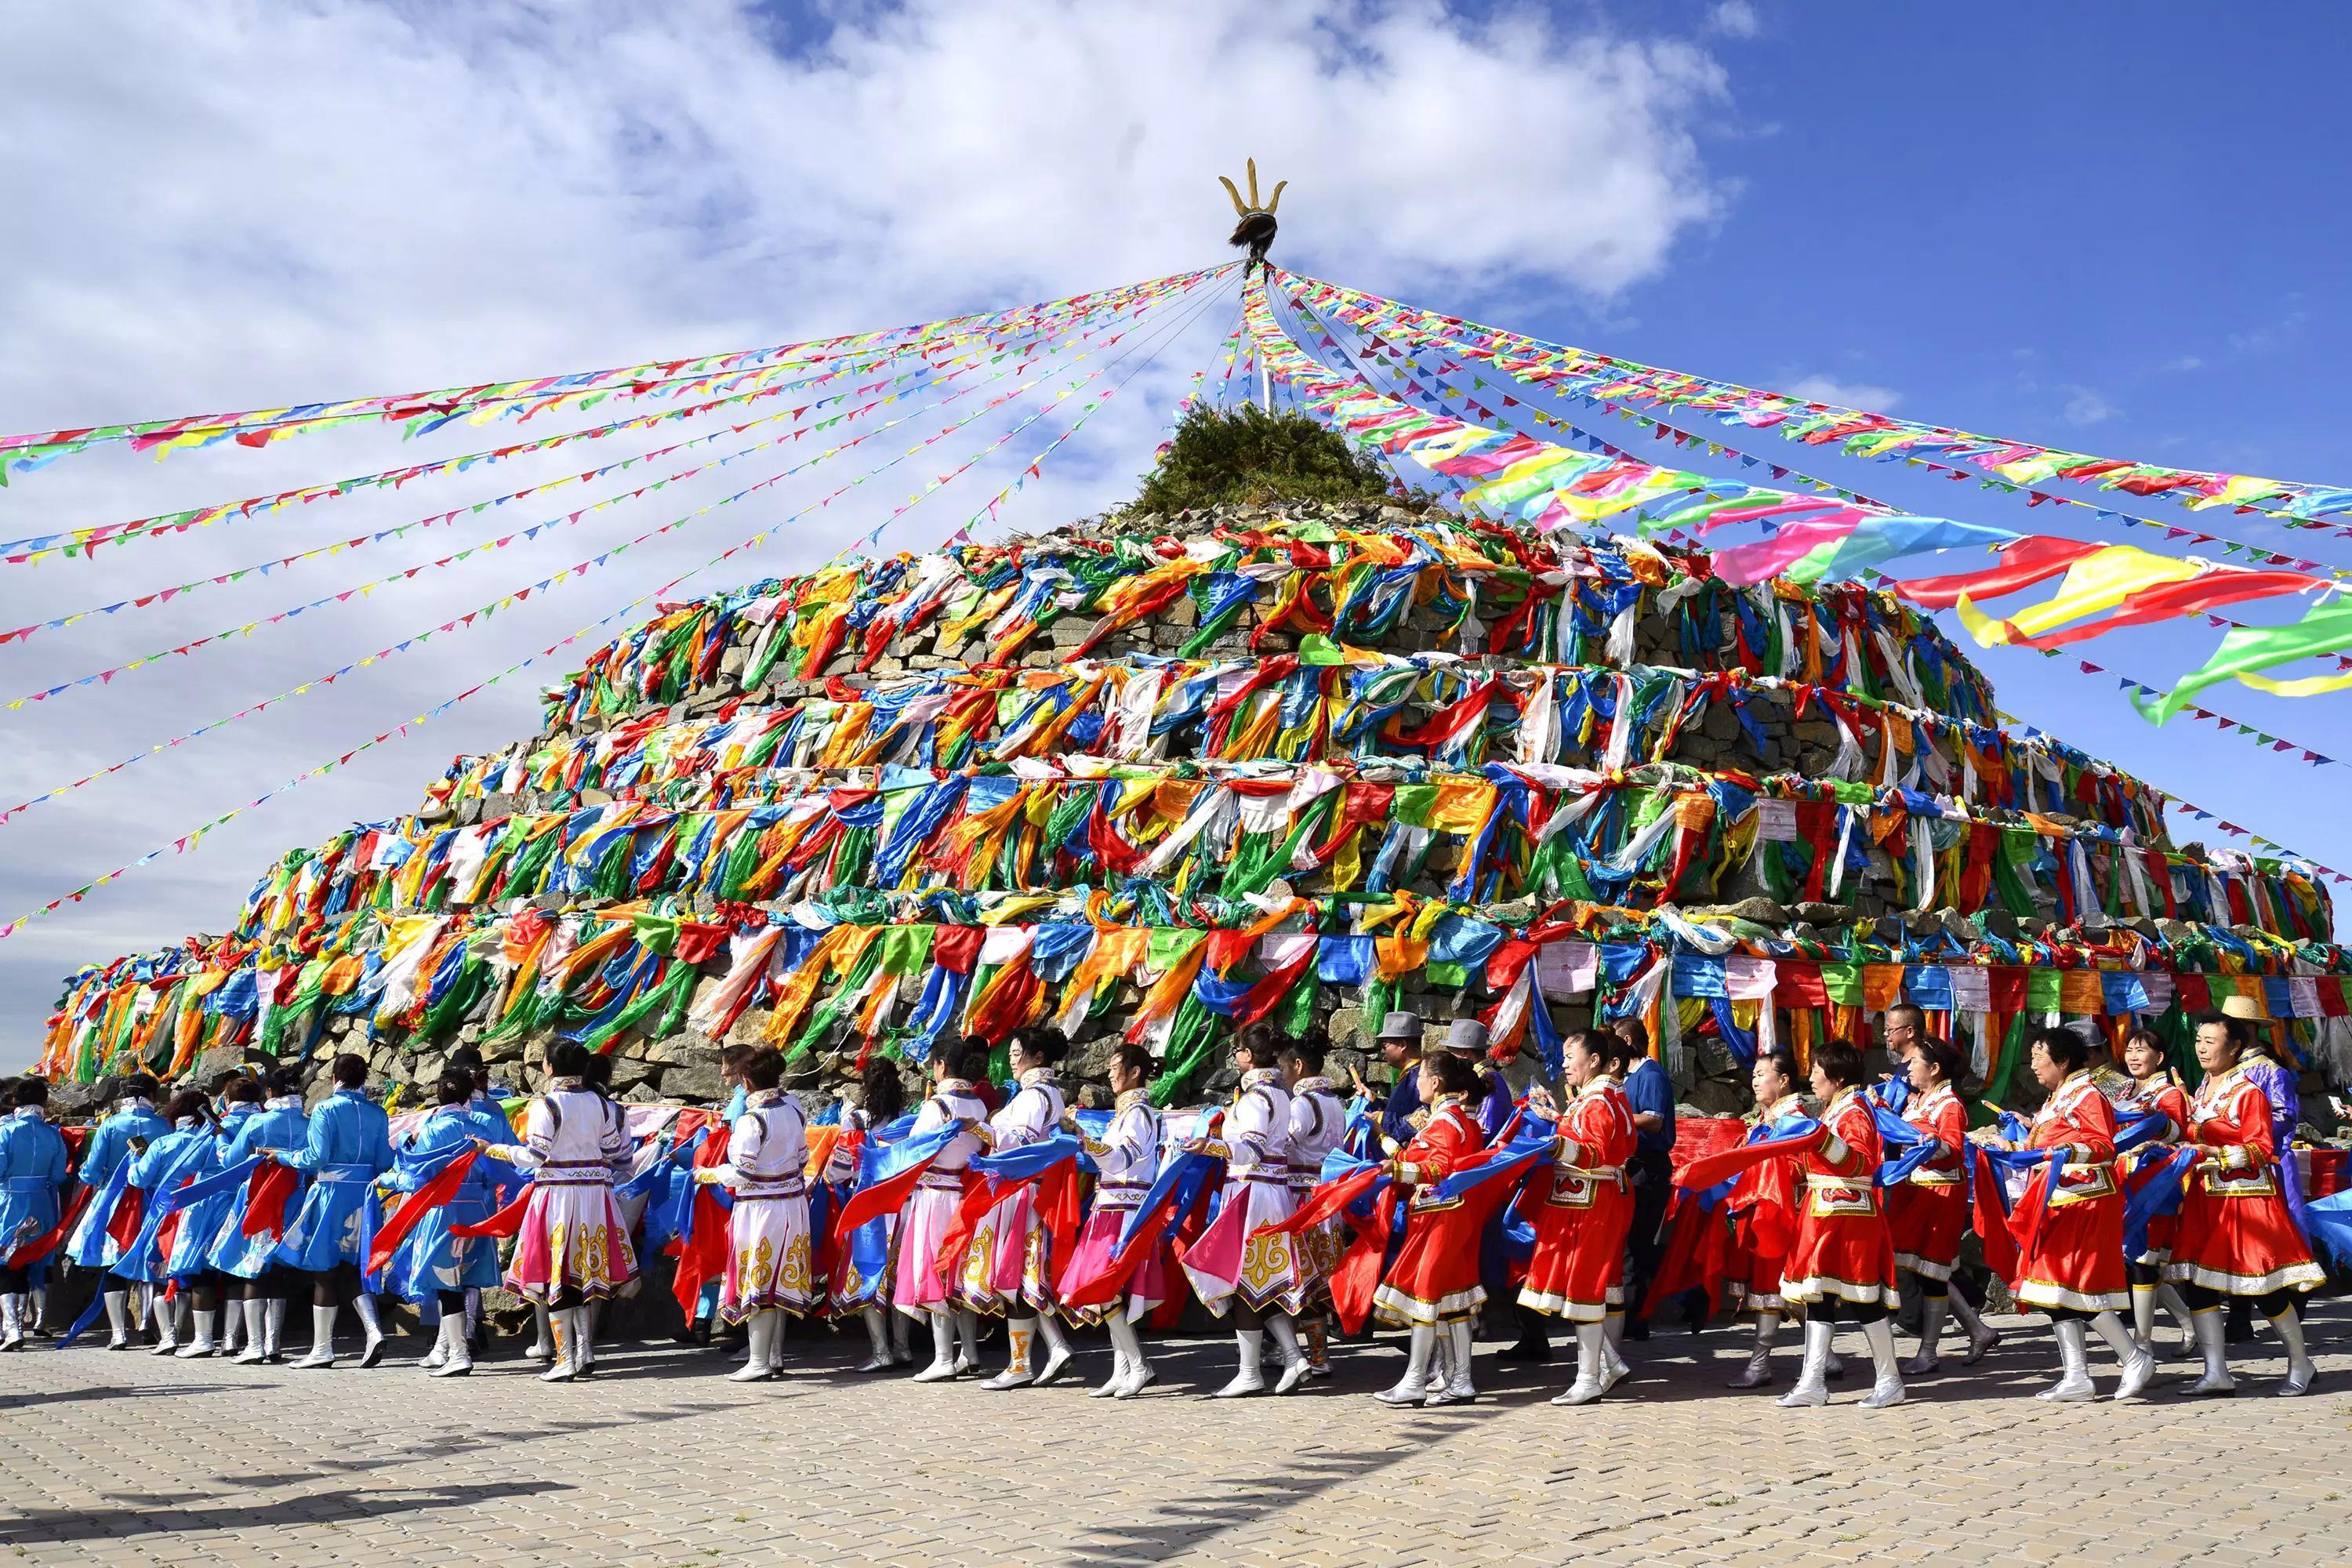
<point>1735,19</point>
<point>224,204</point>
<point>2184,363</point>
<point>2084,406</point>
<point>1861,395</point>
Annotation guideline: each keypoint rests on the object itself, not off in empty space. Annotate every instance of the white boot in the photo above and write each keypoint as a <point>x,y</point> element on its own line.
<point>1250,1379</point>
<point>2208,1325</point>
<point>322,1338</point>
<point>1058,1349</point>
<point>878,1336</point>
<point>2299,1368</point>
<point>2073,1384</point>
<point>1759,1371</point>
<point>2139,1362</point>
<point>456,1355</point>
<point>434,1358</point>
<point>372,1325</point>
<point>12,1322</point>
<point>1886,1385</point>
<point>41,1325</point>
<point>1812,1379</point>
<point>1455,1387</point>
<point>943,1349</point>
<point>563,1337</point>
<point>255,1313</point>
<point>232,1322</point>
<point>1019,1333</point>
<point>118,1319</point>
<point>1127,1346</point>
<point>542,1344</point>
<point>967,1328</point>
<point>584,1322</point>
<point>167,1338</point>
<point>1982,1336</point>
<point>2143,1299</point>
<point>1612,1340</point>
<point>1413,1386</point>
<point>901,1326</point>
<point>201,1344</point>
<point>1118,1378</point>
<point>758,1367</point>
<point>1931,1329</point>
<point>1592,1363</point>
<point>1286,1345</point>
<point>2167,1296</point>
<point>273,1330</point>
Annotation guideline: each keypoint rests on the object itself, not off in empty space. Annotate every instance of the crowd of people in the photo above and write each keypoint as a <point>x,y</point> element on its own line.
<point>1293,1208</point>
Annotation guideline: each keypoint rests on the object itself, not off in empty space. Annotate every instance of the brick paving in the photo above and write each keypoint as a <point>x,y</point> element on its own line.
<point>124,1458</point>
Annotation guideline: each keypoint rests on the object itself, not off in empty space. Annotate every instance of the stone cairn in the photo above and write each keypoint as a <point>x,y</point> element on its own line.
<point>1104,778</point>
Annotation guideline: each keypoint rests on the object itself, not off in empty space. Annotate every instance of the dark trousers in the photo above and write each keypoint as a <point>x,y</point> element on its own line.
<point>1651,1175</point>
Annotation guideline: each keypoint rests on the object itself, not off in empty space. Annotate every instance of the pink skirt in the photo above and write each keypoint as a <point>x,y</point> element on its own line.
<point>1006,1269</point>
<point>1147,1281</point>
<point>916,1285</point>
<point>573,1236</point>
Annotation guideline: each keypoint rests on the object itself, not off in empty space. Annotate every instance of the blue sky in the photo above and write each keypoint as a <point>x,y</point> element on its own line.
<point>2104,226</point>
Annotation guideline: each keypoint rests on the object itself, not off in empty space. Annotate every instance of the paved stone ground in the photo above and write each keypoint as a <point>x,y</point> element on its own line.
<point>138,1460</point>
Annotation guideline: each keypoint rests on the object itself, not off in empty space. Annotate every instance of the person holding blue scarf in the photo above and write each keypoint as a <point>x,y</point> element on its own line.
<point>2074,1267</point>
<point>117,1138</point>
<point>347,1146</point>
<point>436,1261</point>
<point>1927,1213</point>
<point>263,1283</point>
<point>881,1101</point>
<point>1651,1172</point>
<point>771,1262</point>
<point>33,1181</point>
<point>188,1152</point>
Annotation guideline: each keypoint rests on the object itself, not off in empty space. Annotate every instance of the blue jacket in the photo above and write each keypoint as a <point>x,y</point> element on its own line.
<point>347,1129</point>
<point>1405,1099</point>
<point>33,1170</point>
<point>284,1127</point>
<point>109,1143</point>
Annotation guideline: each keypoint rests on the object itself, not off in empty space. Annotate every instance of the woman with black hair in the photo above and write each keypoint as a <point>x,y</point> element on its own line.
<point>1126,1159</point>
<point>2072,1264</point>
<point>346,1146</point>
<point>2155,1092</point>
<point>436,1262</point>
<point>1432,1288</point>
<point>188,1152</point>
<point>918,1287</point>
<point>1841,1265</point>
<point>1927,1214</point>
<point>1008,1268</point>
<point>33,1178</point>
<point>1266,1288</point>
<point>2236,1237</point>
<point>1578,1271</point>
<point>263,1284</point>
<point>771,1264</point>
<point>1763,1207</point>
<point>574,1246</point>
<point>881,1101</point>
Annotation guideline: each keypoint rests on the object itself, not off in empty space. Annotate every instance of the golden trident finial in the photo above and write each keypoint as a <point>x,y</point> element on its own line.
<point>1256,228</point>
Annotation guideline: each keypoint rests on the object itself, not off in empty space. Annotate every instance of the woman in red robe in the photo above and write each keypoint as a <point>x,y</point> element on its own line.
<point>2155,1092</point>
<point>2236,1236</point>
<point>1433,1283</point>
<point>1841,1266</point>
<point>1927,1214</point>
<point>2070,1257</point>
<point>1763,1208</point>
<point>1578,1271</point>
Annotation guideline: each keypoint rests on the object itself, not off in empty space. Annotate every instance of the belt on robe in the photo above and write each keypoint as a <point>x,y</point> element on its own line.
<point>27,1184</point>
<point>344,1175</point>
<point>786,1187</point>
<point>587,1174</point>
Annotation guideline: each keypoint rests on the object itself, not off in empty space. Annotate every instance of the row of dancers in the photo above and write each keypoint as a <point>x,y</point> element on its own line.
<point>1278,1211</point>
